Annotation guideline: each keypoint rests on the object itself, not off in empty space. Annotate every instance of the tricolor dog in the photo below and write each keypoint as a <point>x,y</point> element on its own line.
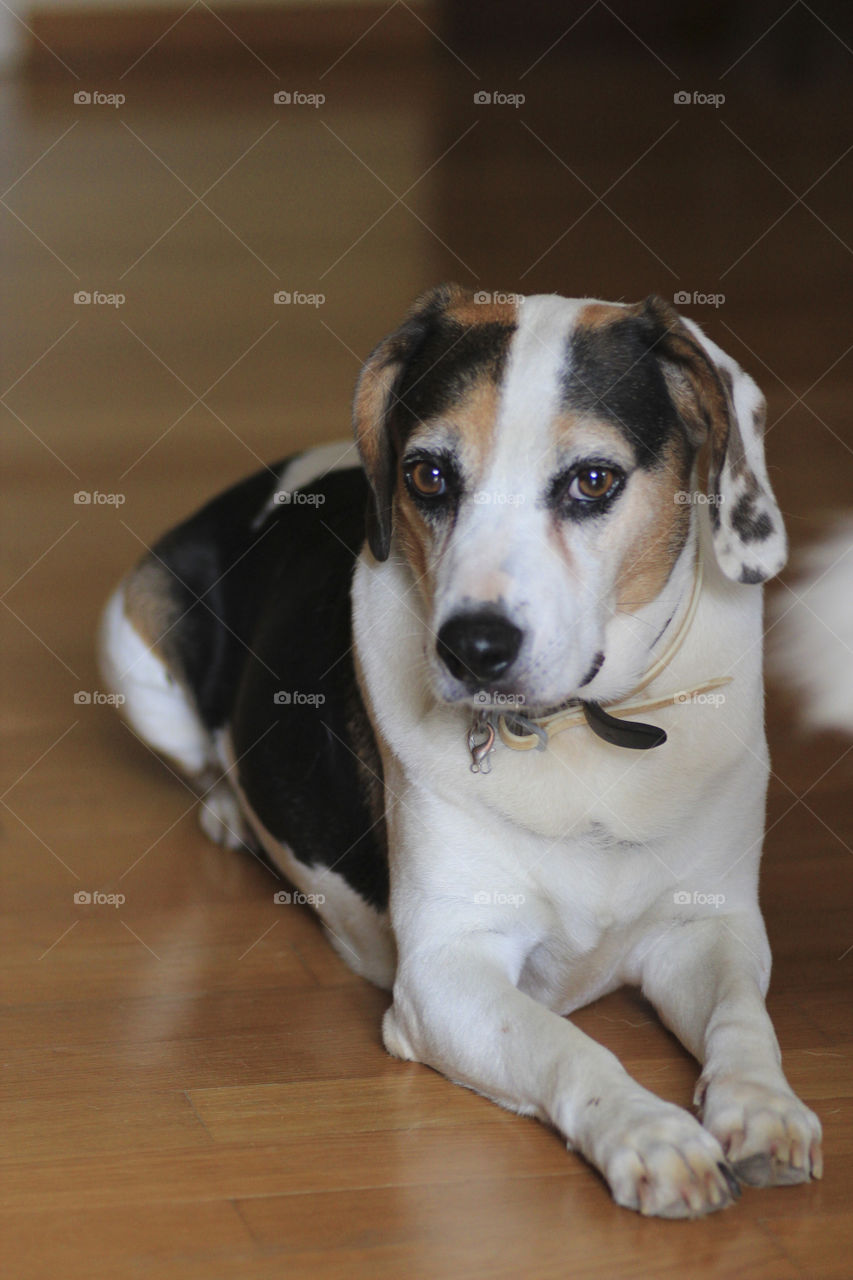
<point>491,691</point>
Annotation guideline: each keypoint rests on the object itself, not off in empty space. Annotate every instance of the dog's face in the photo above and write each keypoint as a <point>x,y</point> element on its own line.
<point>535,462</point>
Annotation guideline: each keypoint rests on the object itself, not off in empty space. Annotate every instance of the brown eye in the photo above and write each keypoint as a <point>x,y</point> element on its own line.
<point>427,479</point>
<point>593,483</point>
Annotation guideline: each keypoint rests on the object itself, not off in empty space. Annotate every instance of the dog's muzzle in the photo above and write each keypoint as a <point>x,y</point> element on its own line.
<point>478,648</point>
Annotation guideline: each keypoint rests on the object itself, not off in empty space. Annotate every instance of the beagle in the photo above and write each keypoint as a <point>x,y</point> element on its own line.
<point>489,695</point>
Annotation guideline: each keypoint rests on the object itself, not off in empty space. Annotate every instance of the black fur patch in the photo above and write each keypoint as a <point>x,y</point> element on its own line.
<point>747,525</point>
<point>751,576</point>
<point>448,361</point>
<point>308,761</point>
<point>613,373</point>
<point>280,624</point>
<point>217,608</point>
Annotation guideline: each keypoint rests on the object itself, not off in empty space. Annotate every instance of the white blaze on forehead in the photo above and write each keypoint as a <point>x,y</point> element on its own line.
<point>537,362</point>
<point>500,547</point>
<point>521,446</point>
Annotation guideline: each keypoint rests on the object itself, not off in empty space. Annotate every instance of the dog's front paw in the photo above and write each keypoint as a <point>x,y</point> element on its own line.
<point>770,1138</point>
<point>660,1161</point>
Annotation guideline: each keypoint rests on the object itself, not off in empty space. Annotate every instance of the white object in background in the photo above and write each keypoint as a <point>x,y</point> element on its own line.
<point>811,634</point>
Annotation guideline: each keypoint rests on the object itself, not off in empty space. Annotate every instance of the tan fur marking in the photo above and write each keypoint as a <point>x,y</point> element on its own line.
<point>597,315</point>
<point>149,607</point>
<point>413,538</point>
<point>372,396</point>
<point>650,559</point>
<point>468,312</point>
<point>477,415</point>
<point>558,545</point>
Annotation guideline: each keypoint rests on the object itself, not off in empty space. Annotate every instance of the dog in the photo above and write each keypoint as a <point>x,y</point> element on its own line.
<point>489,692</point>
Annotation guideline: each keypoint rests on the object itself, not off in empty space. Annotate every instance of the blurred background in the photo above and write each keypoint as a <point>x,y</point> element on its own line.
<point>210,214</point>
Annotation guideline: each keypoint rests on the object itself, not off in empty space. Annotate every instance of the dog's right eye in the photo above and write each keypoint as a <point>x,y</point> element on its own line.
<point>427,479</point>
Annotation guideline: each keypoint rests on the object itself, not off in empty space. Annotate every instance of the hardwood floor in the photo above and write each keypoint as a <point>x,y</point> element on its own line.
<point>193,1084</point>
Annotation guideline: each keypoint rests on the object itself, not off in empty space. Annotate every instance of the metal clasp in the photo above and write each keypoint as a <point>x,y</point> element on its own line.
<point>481,741</point>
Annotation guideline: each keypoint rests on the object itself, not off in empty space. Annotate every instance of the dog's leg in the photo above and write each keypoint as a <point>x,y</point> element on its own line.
<point>708,979</point>
<point>159,710</point>
<point>457,1008</point>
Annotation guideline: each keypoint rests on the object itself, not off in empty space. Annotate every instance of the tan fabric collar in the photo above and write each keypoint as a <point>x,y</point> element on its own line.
<point>523,733</point>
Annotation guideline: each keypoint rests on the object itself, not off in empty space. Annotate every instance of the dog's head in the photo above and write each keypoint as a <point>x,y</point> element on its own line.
<point>535,462</point>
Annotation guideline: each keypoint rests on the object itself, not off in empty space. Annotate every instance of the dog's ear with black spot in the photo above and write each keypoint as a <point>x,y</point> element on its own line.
<point>376,399</point>
<point>720,405</point>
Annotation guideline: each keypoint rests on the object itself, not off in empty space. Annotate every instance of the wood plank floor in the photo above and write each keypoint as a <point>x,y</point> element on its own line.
<point>193,1085</point>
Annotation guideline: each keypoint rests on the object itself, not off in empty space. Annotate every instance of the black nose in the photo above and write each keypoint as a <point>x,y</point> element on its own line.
<point>478,647</point>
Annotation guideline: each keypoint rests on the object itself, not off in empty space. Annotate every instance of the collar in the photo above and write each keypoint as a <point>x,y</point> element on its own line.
<point>529,733</point>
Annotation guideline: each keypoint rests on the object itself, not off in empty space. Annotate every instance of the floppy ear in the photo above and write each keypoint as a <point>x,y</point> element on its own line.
<point>377,398</point>
<point>719,403</point>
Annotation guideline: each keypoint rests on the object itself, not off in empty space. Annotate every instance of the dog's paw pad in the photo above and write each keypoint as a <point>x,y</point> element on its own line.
<point>764,1171</point>
<point>664,1164</point>
<point>770,1138</point>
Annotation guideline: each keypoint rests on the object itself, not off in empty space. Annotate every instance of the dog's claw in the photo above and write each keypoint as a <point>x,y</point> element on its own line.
<point>731,1180</point>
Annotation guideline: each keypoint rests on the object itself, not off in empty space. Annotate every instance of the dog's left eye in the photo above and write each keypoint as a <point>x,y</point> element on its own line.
<point>427,479</point>
<point>593,483</point>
